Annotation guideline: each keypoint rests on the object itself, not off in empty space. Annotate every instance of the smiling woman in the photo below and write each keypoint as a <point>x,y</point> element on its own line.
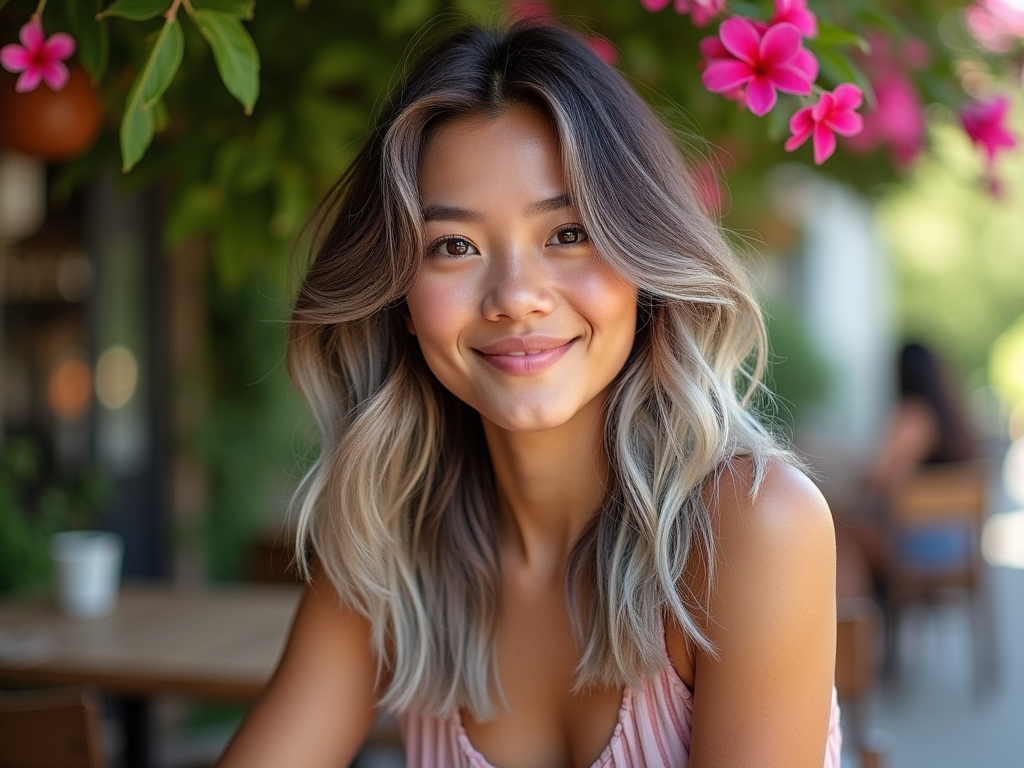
<point>545,528</point>
<point>516,315</point>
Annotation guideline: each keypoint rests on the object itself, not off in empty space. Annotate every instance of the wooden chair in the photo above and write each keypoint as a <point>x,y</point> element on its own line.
<point>856,673</point>
<point>51,729</point>
<point>935,554</point>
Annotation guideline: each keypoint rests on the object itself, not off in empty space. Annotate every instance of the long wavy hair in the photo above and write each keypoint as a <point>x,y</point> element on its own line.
<point>400,508</point>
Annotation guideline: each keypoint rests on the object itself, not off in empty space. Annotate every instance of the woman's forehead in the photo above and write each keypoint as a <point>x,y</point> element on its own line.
<point>473,158</point>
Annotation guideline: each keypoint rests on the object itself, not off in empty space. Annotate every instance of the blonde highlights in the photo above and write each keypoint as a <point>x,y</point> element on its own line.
<point>400,507</point>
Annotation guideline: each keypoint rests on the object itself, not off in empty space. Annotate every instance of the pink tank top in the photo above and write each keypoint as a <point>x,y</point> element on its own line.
<point>653,731</point>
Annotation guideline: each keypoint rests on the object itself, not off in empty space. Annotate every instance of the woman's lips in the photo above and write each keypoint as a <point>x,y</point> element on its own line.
<point>522,355</point>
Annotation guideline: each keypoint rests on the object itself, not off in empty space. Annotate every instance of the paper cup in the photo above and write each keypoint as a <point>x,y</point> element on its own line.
<point>87,567</point>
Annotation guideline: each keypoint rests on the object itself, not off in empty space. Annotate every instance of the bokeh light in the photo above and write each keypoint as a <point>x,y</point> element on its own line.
<point>69,389</point>
<point>1002,540</point>
<point>117,373</point>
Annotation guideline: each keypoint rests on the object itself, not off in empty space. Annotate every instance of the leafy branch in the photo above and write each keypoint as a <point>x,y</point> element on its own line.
<point>220,22</point>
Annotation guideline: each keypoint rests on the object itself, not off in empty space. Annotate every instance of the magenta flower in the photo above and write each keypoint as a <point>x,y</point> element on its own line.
<point>984,123</point>
<point>38,58</point>
<point>761,63</point>
<point>604,49</point>
<point>700,11</point>
<point>834,113</point>
<point>997,24</point>
<point>795,12</point>
<point>897,119</point>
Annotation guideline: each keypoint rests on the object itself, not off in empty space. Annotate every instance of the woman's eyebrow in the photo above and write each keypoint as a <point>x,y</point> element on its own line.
<point>441,212</point>
<point>556,203</point>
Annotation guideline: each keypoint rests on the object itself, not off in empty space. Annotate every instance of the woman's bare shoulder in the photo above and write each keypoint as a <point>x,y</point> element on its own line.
<point>770,618</point>
<point>786,508</point>
<point>320,704</point>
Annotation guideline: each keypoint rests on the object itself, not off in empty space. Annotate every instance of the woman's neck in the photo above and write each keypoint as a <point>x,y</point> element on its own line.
<point>550,485</point>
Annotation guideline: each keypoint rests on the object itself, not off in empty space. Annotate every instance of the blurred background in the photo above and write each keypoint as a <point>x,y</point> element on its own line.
<point>142,313</point>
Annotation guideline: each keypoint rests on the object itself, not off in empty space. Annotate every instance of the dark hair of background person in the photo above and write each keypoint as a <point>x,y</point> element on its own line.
<point>921,376</point>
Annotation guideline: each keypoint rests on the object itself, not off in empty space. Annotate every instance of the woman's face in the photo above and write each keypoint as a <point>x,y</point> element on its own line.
<point>514,311</point>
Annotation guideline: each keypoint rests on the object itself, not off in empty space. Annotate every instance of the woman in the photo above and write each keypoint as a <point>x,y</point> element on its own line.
<point>545,529</point>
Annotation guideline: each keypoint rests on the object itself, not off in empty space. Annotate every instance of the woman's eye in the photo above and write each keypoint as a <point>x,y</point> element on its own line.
<point>569,235</point>
<point>452,246</point>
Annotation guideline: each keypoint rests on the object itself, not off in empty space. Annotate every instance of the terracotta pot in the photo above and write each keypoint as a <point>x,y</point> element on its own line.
<point>50,125</point>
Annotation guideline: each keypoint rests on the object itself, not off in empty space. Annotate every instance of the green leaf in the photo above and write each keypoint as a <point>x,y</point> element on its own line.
<point>163,62</point>
<point>136,128</point>
<point>136,10</point>
<point>836,37</point>
<point>240,9</point>
<point>92,36</point>
<point>4,2</point>
<point>138,123</point>
<point>237,59</point>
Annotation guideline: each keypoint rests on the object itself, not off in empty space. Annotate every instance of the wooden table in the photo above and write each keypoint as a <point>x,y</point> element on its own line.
<point>212,642</point>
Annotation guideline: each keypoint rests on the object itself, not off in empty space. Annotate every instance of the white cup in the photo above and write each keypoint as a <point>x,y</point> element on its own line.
<point>87,566</point>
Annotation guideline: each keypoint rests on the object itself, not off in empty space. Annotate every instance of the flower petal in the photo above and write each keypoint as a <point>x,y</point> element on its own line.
<point>761,96</point>
<point>824,144</point>
<point>55,74</point>
<point>726,74</point>
<point>807,63</point>
<point>741,39</point>
<point>779,44</point>
<point>789,79</point>
<point>825,106</point>
<point>802,125</point>
<point>60,46</point>
<point>14,58</point>
<point>654,5</point>
<point>848,96</point>
<point>712,48</point>
<point>32,36</point>
<point>28,80</point>
<point>845,123</point>
<point>802,120</point>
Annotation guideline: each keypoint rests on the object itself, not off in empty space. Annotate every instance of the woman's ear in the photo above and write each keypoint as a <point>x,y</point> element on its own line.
<point>410,326</point>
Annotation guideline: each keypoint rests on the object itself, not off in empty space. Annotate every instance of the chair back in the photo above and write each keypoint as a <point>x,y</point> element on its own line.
<point>856,633</point>
<point>943,493</point>
<point>51,729</point>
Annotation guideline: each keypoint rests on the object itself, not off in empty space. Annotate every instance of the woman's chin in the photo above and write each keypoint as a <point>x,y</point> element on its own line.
<point>528,418</point>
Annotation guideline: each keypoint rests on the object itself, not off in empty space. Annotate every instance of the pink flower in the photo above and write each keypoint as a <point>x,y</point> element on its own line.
<point>983,122</point>
<point>700,11</point>
<point>531,10</point>
<point>795,12</point>
<point>38,58</point>
<point>762,63</point>
<point>834,113</point>
<point>996,23</point>
<point>604,49</point>
<point>897,120</point>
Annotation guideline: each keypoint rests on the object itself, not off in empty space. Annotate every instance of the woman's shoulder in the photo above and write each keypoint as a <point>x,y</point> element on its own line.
<point>774,512</point>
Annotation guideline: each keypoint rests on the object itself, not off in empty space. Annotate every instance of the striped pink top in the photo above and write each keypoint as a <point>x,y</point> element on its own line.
<point>653,731</point>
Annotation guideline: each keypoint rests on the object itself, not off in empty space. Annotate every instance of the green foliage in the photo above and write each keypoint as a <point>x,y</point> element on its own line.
<point>31,511</point>
<point>92,36</point>
<point>957,251</point>
<point>136,10</point>
<point>237,58</point>
<point>139,121</point>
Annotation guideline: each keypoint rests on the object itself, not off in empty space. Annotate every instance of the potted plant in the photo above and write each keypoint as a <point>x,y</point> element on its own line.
<point>45,523</point>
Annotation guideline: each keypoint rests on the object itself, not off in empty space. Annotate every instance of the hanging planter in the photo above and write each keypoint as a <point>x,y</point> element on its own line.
<point>51,125</point>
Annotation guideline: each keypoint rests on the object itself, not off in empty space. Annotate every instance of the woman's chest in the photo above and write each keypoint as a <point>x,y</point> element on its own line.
<point>545,723</point>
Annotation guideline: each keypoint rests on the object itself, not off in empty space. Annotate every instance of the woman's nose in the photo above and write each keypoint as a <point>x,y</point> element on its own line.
<point>518,287</point>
